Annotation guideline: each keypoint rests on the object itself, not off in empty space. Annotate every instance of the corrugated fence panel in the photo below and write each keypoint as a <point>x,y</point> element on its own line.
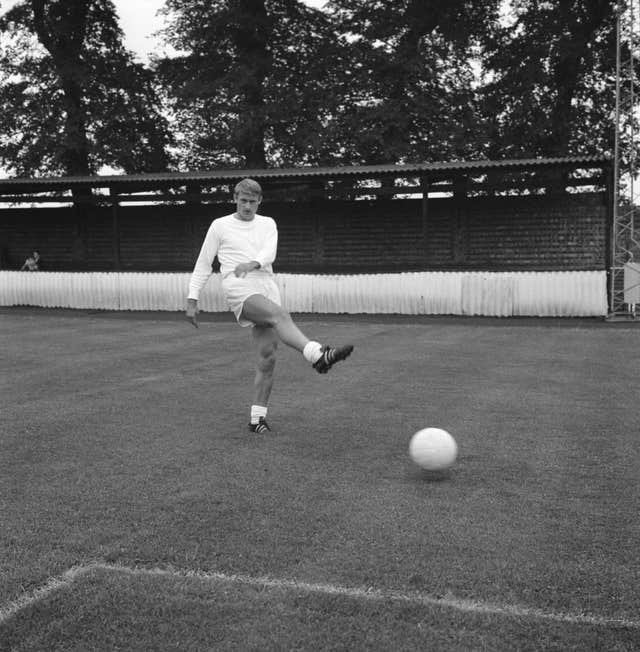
<point>560,294</point>
<point>90,290</point>
<point>419,293</point>
<point>98,290</point>
<point>211,298</point>
<point>488,294</point>
<point>544,294</point>
<point>295,290</point>
<point>143,291</point>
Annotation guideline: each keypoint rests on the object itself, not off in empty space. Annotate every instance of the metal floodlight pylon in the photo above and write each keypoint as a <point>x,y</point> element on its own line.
<point>624,281</point>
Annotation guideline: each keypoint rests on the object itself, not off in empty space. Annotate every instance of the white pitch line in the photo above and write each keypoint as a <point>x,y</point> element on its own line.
<point>458,604</point>
<point>52,585</point>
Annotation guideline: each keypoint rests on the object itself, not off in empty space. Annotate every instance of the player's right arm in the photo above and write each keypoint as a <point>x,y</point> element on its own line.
<point>201,273</point>
<point>192,312</point>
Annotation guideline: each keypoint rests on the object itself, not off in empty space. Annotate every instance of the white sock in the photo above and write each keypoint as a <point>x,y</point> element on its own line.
<point>258,411</point>
<point>312,352</point>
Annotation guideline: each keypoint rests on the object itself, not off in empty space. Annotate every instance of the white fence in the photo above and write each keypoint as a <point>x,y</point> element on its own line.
<point>501,294</point>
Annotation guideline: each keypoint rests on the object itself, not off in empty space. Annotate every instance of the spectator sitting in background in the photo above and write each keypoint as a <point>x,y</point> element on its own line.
<point>31,264</point>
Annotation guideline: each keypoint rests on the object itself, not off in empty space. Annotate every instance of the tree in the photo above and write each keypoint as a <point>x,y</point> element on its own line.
<point>551,86</point>
<point>407,80</point>
<point>72,97</point>
<point>261,83</point>
<point>276,82</point>
<point>249,86</point>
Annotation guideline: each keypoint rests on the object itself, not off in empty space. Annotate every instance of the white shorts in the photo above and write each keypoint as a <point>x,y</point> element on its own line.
<point>238,290</point>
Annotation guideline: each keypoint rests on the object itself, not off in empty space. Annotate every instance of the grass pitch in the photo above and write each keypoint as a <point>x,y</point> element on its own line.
<point>139,514</point>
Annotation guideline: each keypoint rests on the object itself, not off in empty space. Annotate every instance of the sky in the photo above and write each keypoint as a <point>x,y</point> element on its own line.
<point>139,20</point>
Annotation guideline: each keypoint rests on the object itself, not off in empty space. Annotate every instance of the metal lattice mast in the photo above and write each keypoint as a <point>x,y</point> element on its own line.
<point>624,241</point>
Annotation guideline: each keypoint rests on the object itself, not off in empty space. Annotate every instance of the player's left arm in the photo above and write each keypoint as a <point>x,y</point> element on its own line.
<point>267,253</point>
<point>242,269</point>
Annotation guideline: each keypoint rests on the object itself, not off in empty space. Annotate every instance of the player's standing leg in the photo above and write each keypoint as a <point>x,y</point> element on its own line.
<point>266,343</point>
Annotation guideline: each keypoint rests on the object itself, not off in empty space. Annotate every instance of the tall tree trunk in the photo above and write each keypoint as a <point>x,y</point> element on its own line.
<point>569,67</point>
<point>254,62</point>
<point>60,26</point>
<point>76,154</point>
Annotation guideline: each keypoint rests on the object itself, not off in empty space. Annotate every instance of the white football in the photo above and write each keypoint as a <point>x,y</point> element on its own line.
<point>433,449</point>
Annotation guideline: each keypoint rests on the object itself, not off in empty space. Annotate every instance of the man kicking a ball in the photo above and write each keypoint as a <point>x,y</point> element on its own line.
<point>246,244</point>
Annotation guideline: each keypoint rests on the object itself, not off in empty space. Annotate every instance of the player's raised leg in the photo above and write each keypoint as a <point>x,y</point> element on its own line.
<point>266,343</point>
<point>262,311</point>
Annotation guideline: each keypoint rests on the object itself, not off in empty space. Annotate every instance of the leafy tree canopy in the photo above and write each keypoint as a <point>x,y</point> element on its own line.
<point>279,83</point>
<point>252,86</point>
<point>407,82</point>
<point>551,90</point>
<point>260,83</point>
<point>72,97</point>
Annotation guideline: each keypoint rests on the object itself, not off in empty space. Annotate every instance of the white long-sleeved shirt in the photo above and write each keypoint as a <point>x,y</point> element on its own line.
<point>235,241</point>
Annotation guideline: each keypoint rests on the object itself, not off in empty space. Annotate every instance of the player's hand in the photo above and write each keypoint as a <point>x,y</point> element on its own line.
<point>192,312</point>
<point>243,269</point>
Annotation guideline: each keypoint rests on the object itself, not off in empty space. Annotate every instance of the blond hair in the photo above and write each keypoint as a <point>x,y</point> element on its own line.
<point>248,186</point>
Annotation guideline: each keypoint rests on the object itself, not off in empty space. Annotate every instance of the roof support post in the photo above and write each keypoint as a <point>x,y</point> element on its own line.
<point>82,196</point>
<point>460,221</point>
<point>424,186</point>
<point>115,229</point>
<point>193,205</point>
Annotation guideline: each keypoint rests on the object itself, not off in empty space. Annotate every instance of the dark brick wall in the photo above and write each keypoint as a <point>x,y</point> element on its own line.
<point>351,236</point>
<point>522,233</point>
<point>507,233</point>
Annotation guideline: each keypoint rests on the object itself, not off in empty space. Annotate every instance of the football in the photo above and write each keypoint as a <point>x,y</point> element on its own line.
<point>433,449</point>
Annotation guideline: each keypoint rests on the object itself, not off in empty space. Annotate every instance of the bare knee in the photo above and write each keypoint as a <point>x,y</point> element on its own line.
<point>278,316</point>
